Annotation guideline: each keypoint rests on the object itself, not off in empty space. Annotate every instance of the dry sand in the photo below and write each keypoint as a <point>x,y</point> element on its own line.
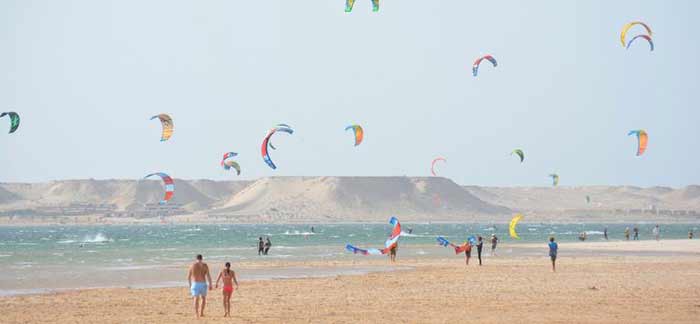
<point>629,289</point>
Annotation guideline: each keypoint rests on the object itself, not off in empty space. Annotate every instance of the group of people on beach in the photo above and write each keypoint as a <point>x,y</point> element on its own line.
<point>264,246</point>
<point>199,280</point>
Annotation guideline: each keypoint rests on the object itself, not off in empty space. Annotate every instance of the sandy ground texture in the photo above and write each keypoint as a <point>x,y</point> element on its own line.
<point>629,289</point>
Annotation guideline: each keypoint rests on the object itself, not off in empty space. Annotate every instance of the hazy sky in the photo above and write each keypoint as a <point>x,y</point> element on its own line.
<point>87,75</point>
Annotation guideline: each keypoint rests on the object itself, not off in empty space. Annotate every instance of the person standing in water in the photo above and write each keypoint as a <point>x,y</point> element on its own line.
<point>494,242</point>
<point>627,233</point>
<point>690,234</point>
<point>199,272</point>
<point>656,231</point>
<point>605,233</point>
<point>479,247</point>
<point>636,233</point>
<point>392,252</point>
<point>268,244</point>
<point>228,277</point>
<point>553,249</point>
<point>261,246</point>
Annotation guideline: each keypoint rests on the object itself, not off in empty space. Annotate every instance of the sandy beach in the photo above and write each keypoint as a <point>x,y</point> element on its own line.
<point>585,289</point>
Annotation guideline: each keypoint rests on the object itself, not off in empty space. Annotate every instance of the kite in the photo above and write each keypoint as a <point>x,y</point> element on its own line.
<point>266,143</point>
<point>513,223</point>
<point>390,243</point>
<point>555,179</point>
<point>475,67</point>
<point>359,133</point>
<point>432,164</point>
<point>14,120</point>
<point>458,248</point>
<point>627,27</point>
<point>278,125</point>
<point>167,123</point>
<point>350,3</point>
<point>169,186</point>
<point>642,140</point>
<point>228,164</point>
<point>520,153</point>
<point>651,43</point>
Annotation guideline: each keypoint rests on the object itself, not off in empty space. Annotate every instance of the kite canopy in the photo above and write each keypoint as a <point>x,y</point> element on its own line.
<point>167,124</point>
<point>458,248</point>
<point>555,179</point>
<point>513,223</point>
<point>391,242</point>
<point>475,67</point>
<point>227,163</point>
<point>358,131</point>
<point>651,43</point>
<point>628,26</point>
<point>14,120</point>
<point>266,143</point>
<point>169,185</point>
<point>432,164</point>
<point>519,153</point>
<point>642,140</point>
<point>350,3</point>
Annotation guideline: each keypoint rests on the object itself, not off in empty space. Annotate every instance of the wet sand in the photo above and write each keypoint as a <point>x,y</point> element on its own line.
<point>585,289</point>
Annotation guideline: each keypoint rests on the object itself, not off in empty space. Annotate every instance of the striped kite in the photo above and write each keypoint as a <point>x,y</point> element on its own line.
<point>475,67</point>
<point>642,140</point>
<point>651,43</point>
<point>266,143</point>
<point>519,153</point>
<point>358,131</point>
<point>168,126</point>
<point>513,223</point>
<point>169,186</point>
<point>628,26</point>
<point>14,120</point>
<point>227,163</point>
<point>432,164</point>
<point>350,3</point>
<point>390,243</point>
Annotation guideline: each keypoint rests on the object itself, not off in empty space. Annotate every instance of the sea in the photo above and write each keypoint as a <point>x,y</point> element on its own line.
<point>41,259</point>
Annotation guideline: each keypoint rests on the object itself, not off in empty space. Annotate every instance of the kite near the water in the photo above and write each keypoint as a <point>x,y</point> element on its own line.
<point>358,131</point>
<point>513,223</point>
<point>475,67</point>
<point>628,26</point>
<point>350,3</point>
<point>169,186</point>
<point>167,124</point>
<point>642,140</point>
<point>227,163</point>
<point>266,143</point>
<point>432,164</point>
<point>458,248</point>
<point>391,242</point>
<point>648,38</point>
<point>519,153</point>
<point>555,179</point>
<point>14,120</point>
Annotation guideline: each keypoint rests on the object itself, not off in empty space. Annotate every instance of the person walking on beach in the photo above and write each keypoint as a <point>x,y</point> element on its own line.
<point>553,249</point>
<point>627,233</point>
<point>479,247</point>
<point>655,231</point>
<point>605,233</point>
<point>268,244</point>
<point>494,242</point>
<point>228,277</point>
<point>261,246</point>
<point>636,233</point>
<point>199,272</point>
<point>392,252</point>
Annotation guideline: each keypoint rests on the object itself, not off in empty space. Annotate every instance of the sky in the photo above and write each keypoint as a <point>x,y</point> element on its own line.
<point>87,75</point>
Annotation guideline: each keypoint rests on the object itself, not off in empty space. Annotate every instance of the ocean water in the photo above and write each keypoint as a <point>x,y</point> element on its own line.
<point>43,258</point>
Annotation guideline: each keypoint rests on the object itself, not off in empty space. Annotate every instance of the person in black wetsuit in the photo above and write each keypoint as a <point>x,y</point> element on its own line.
<point>261,246</point>
<point>479,247</point>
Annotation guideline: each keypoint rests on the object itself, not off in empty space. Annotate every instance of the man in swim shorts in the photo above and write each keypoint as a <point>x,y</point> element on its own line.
<point>553,249</point>
<point>199,272</point>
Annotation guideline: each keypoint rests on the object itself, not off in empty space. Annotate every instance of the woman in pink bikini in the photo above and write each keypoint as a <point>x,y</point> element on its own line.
<point>228,276</point>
